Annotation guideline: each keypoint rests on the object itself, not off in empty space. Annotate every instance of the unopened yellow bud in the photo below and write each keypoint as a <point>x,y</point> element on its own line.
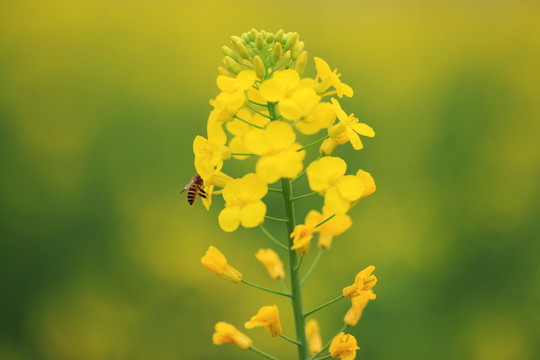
<point>297,49</point>
<point>291,41</point>
<point>276,53</point>
<point>236,39</point>
<point>228,51</point>
<point>268,316</point>
<point>313,336</point>
<point>216,262</point>
<point>252,34</point>
<point>218,179</point>
<point>227,333</point>
<point>270,38</point>
<point>279,35</point>
<point>259,42</point>
<point>328,146</point>
<point>287,55</point>
<point>232,65</point>
<point>301,63</point>
<point>336,130</point>
<point>343,346</point>
<point>259,67</point>
<point>225,72</point>
<point>270,259</point>
<point>242,50</point>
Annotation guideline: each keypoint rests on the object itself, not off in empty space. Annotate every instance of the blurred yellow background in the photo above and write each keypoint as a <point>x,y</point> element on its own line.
<point>99,105</point>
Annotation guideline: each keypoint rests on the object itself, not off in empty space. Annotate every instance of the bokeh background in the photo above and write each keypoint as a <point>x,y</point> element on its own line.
<point>100,102</point>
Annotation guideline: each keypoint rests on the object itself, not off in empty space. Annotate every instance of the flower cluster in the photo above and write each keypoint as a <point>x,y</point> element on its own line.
<point>264,107</point>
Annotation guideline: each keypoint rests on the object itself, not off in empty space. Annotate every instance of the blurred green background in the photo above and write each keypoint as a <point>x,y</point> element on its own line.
<point>100,102</point>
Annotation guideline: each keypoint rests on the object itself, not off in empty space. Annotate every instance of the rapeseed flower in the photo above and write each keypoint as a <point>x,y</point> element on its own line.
<point>215,261</point>
<point>358,305</point>
<point>363,282</point>
<point>240,128</point>
<point>349,126</point>
<point>337,225</point>
<point>268,316</point>
<point>343,347</point>
<point>296,97</point>
<point>330,78</point>
<point>226,333</point>
<point>210,153</point>
<point>243,203</point>
<point>313,337</point>
<point>277,149</point>
<point>322,116</point>
<point>327,177</point>
<point>271,261</point>
<point>232,96</point>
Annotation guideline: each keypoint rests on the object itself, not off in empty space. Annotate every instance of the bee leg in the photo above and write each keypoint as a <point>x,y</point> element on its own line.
<point>202,191</point>
<point>202,195</point>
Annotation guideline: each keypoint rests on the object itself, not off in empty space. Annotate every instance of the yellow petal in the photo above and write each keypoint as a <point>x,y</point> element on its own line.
<point>253,187</point>
<point>354,139</point>
<point>269,168</point>
<point>256,142</point>
<point>289,109</point>
<point>229,218</point>
<point>225,83</point>
<point>347,90</point>
<point>323,70</point>
<point>335,202</point>
<point>291,161</point>
<point>322,172</point>
<point>350,187</point>
<point>290,78</point>
<point>369,183</point>
<point>363,129</point>
<point>252,214</point>
<point>272,90</point>
<point>245,79</point>
<point>342,116</point>
<point>231,190</point>
<point>280,134</point>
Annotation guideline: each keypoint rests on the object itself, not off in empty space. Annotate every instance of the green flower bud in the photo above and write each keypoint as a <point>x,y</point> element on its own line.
<point>270,38</point>
<point>245,37</point>
<point>252,34</point>
<point>276,53</point>
<point>228,51</point>
<point>301,63</point>
<point>263,34</point>
<point>232,65</point>
<point>259,42</point>
<point>258,65</point>
<point>279,35</point>
<point>222,71</point>
<point>291,41</point>
<point>242,50</point>
<point>297,49</point>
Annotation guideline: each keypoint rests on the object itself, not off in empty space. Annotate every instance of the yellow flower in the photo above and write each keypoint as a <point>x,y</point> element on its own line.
<point>363,282</point>
<point>369,183</point>
<point>219,179</point>
<point>278,150</point>
<point>243,203</point>
<point>302,235</point>
<point>268,316</point>
<point>232,96</point>
<point>321,117</point>
<point>239,129</point>
<point>343,346</point>
<point>350,126</point>
<point>337,225</point>
<point>358,305</point>
<point>210,153</point>
<point>330,78</point>
<point>226,333</point>
<point>271,261</point>
<point>215,261</point>
<point>313,337</point>
<point>296,97</point>
<point>327,177</point>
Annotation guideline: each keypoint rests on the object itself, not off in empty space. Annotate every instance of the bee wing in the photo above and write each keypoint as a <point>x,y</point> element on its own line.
<point>188,184</point>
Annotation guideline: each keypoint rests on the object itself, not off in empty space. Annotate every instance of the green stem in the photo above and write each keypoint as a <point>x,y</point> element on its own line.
<point>276,219</point>
<point>313,143</point>
<point>258,112</point>
<point>327,345</point>
<point>324,357</point>
<point>325,220</point>
<point>323,305</point>
<point>274,190</point>
<point>303,196</point>
<point>262,353</point>
<point>257,103</point>
<point>247,122</point>
<point>313,264</point>
<point>243,154</point>
<point>272,238</point>
<point>272,110</point>
<point>296,290</point>
<point>289,339</point>
<point>265,289</point>
<point>300,264</point>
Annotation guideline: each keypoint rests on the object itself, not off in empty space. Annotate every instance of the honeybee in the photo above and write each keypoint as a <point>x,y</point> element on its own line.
<point>194,188</point>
